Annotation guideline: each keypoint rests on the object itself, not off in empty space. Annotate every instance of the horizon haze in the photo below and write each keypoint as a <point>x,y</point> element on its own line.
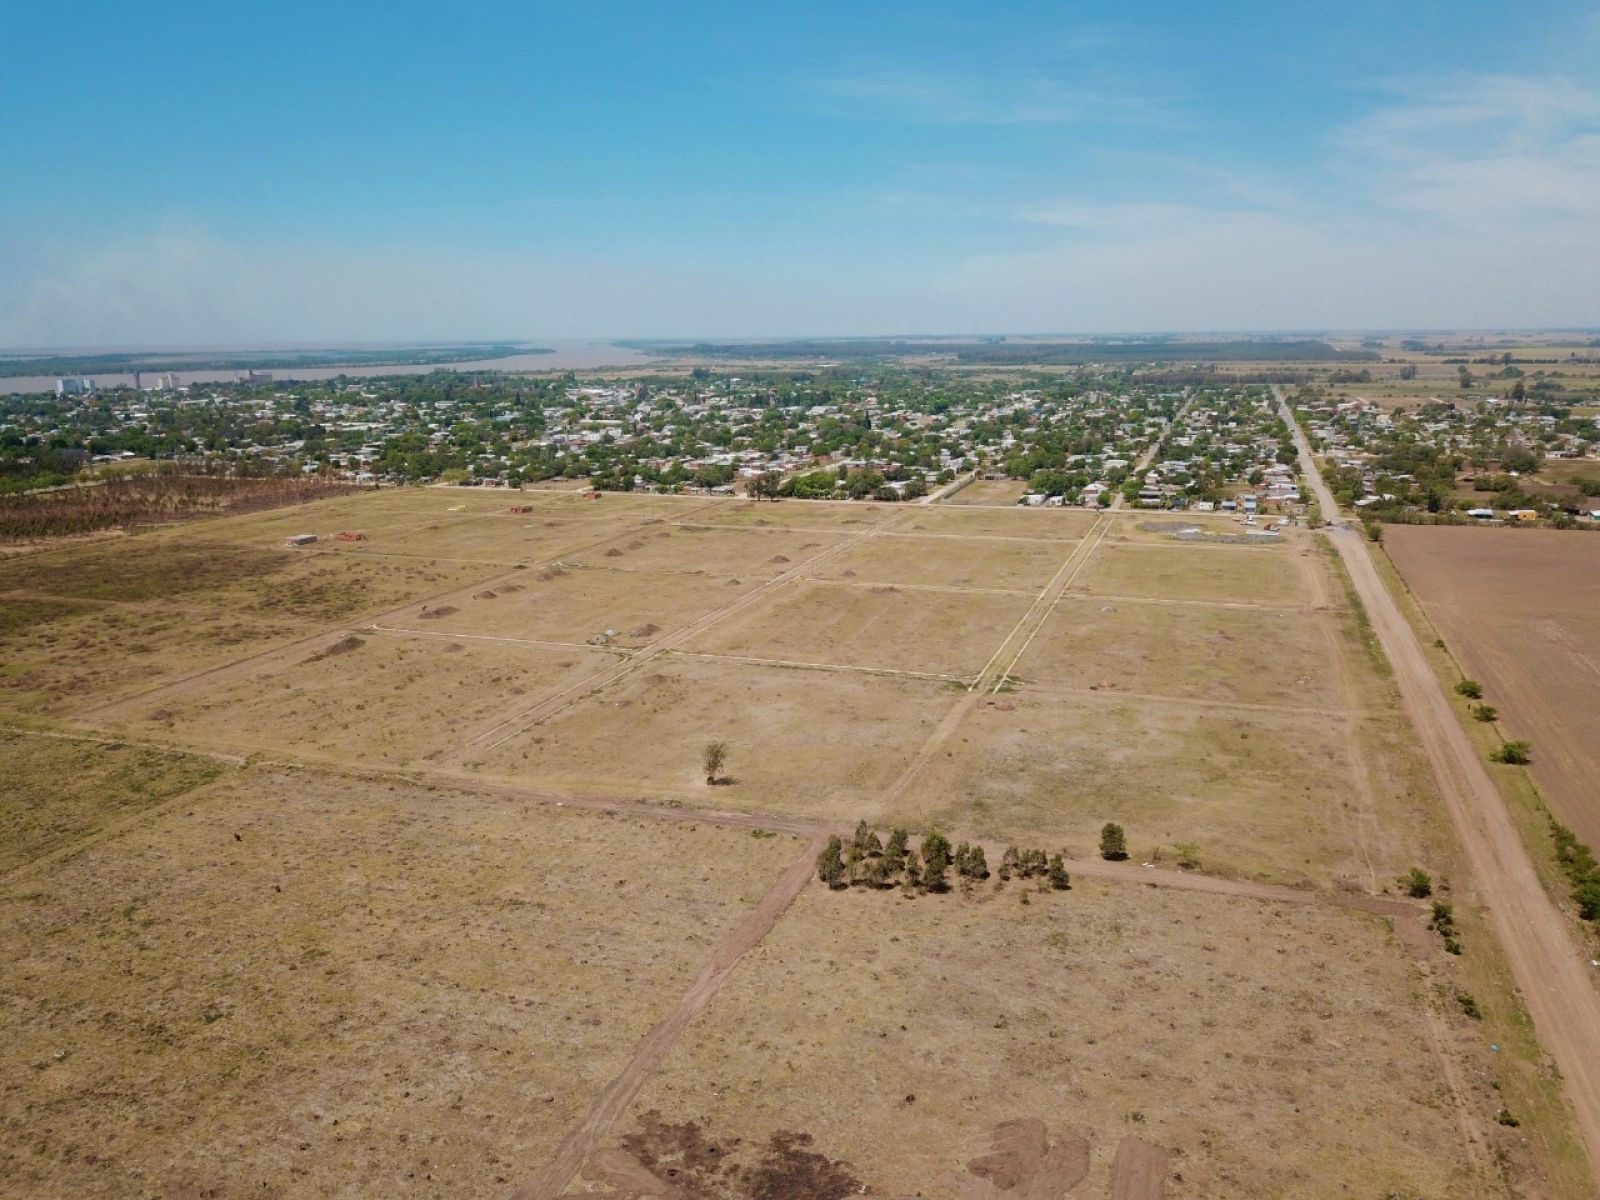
<point>619,169</point>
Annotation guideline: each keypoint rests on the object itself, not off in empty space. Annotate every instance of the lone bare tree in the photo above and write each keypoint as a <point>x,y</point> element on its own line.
<point>716,757</point>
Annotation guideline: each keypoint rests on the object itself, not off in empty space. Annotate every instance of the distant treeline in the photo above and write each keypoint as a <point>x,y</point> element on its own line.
<point>260,360</point>
<point>1034,353</point>
<point>1210,377</point>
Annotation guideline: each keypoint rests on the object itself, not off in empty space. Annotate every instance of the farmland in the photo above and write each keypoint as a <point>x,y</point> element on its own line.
<point>394,861</point>
<point>1516,608</point>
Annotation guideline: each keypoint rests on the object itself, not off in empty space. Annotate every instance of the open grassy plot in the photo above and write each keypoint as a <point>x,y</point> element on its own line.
<point>573,606</point>
<point>91,654</point>
<point>883,627</point>
<point>1180,528</point>
<point>390,698</point>
<point>502,541</point>
<point>308,987</point>
<point>990,491</point>
<point>1266,795</point>
<point>1231,574</point>
<point>703,550</point>
<point>1064,523</point>
<point>846,516</point>
<point>808,743</point>
<point>58,790</point>
<point>973,562</point>
<point>1271,1051</point>
<point>1193,651</point>
<point>112,619</point>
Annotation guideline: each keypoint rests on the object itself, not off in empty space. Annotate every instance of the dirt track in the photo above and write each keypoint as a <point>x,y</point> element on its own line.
<point>614,1100</point>
<point>1553,973</point>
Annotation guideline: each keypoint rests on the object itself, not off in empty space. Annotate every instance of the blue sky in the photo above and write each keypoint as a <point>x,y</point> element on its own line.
<point>249,173</point>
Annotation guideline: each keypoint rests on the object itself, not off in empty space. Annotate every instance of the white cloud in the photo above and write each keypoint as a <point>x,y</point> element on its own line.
<point>1469,205</point>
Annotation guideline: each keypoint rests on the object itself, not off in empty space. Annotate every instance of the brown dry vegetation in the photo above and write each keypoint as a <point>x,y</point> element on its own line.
<point>124,502</point>
<point>307,987</point>
<point>483,953</point>
<point>805,742</point>
<point>990,491</point>
<point>59,791</point>
<point>974,562</point>
<point>1277,1051</point>
<point>884,626</point>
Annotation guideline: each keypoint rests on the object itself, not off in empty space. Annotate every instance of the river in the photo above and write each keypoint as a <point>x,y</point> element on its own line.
<point>565,356</point>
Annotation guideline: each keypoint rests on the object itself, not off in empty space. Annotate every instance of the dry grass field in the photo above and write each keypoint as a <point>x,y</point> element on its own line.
<point>879,627</point>
<point>997,563</point>
<point>809,743</point>
<point>1517,608</point>
<point>388,698</point>
<point>990,491</point>
<point>899,1034</point>
<point>439,901</point>
<point>293,986</point>
<point>1196,652</point>
<point>1258,575</point>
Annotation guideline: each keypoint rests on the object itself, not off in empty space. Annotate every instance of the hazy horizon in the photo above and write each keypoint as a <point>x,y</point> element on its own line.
<point>619,170</point>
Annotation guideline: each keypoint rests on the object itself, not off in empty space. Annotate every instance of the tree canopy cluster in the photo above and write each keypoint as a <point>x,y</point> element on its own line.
<point>867,860</point>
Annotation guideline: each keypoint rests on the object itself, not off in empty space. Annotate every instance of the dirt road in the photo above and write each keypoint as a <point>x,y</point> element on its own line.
<point>611,1103</point>
<point>1557,983</point>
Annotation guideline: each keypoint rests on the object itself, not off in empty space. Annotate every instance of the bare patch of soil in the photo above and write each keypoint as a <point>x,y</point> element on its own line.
<point>683,1162</point>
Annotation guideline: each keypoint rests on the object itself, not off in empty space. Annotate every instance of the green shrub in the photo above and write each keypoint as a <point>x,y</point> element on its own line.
<point>1514,753</point>
<point>830,864</point>
<point>1113,842</point>
<point>1417,883</point>
<point>1471,689</point>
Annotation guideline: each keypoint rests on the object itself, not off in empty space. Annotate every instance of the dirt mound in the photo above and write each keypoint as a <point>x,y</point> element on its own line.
<point>847,573</point>
<point>507,589</point>
<point>613,553</point>
<point>454,648</point>
<point>887,589</point>
<point>549,573</point>
<point>437,611</point>
<point>635,545</point>
<point>343,646</point>
<point>733,581</point>
<point>778,558</point>
<point>487,594</point>
<point>644,631</point>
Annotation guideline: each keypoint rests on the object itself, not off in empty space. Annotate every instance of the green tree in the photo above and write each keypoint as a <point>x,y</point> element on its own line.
<point>766,485</point>
<point>973,864</point>
<point>830,864</point>
<point>1417,883</point>
<point>1515,753</point>
<point>935,861</point>
<point>894,853</point>
<point>1059,879</point>
<point>1010,862</point>
<point>865,843</point>
<point>1113,842</point>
